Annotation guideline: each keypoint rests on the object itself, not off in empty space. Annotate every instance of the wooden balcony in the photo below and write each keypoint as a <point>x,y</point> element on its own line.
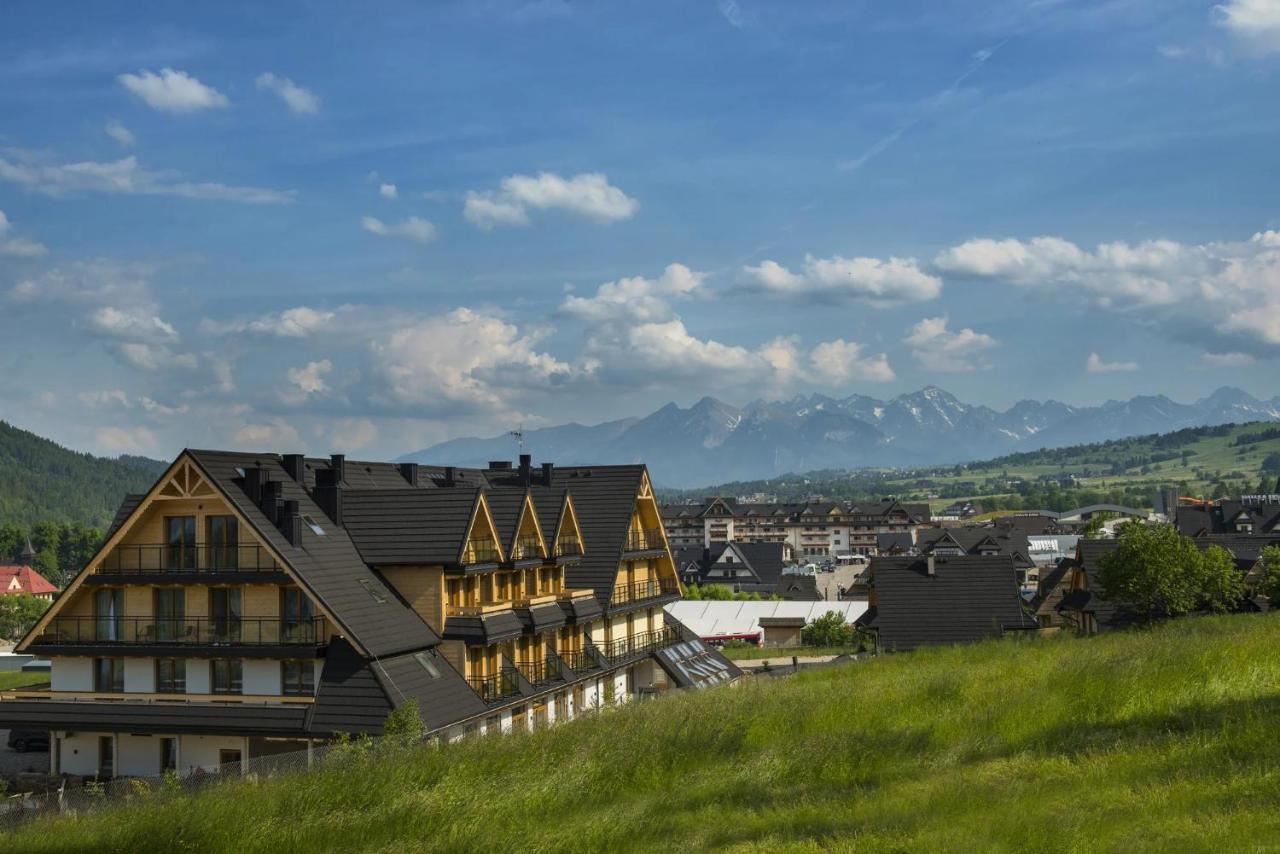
<point>200,636</point>
<point>193,564</point>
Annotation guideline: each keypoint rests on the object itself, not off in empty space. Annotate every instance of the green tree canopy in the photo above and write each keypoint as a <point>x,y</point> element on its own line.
<point>828,630</point>
<point>1160,573</point>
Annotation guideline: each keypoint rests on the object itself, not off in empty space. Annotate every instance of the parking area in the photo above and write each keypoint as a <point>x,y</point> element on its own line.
<point>829,583</point>
<point>12,762</point>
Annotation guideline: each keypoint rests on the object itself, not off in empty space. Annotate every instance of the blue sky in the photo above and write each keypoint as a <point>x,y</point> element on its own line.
<point>324,228</point>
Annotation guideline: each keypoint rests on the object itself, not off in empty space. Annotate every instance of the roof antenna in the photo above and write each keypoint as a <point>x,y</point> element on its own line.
<point>518,435</point>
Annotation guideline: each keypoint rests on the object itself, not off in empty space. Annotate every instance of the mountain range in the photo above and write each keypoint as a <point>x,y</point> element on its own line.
<point>714,442</point>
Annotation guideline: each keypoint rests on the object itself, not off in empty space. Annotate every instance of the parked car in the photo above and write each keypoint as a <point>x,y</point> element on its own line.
<point>23,740</point>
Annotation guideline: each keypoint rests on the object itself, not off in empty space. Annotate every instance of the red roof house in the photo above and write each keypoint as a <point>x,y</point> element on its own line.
<point>15,580</point>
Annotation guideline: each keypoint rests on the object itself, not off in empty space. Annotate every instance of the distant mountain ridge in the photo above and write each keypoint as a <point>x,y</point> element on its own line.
<point>714,442</point>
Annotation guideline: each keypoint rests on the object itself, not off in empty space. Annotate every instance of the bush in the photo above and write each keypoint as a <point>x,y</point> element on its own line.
<point>828,630</point>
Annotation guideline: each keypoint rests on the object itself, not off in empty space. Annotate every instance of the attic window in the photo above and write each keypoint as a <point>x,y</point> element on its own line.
<point>425,659</point>
<point>239,471</point>
<point>313,525</point>
<point>373,594</point>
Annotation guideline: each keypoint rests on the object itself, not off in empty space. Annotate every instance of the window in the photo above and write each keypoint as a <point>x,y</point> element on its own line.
<point>171,676</point>
<point>108,607</point>
<point>228,676</point>
<point>313,525</point>
<point>223,535</point>
<point>298,678</point>
<point>168,754</point>
<point>169,607</point>
<point>427,660</point>
<point>108,675</point>
<point>373,594</point>
<point>224,613</point>
<point>297,616</point>
<point>106,757</point>
<point>180,538</point>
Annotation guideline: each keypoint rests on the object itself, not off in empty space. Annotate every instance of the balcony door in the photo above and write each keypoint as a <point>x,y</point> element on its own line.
<point>108,609</point>
<point>224,614</point>
<point>222,536</point>
<point>180,542</point>
<point>170,609</point>
<point>297,616</point>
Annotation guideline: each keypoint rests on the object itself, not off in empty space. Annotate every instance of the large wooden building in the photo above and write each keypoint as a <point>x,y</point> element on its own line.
<point>253,604</point>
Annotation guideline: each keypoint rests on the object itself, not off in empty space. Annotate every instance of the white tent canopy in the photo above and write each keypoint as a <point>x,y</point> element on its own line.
<point>719,619</point>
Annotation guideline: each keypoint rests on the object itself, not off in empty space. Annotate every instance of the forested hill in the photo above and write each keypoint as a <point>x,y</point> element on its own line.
<point>43,481</point>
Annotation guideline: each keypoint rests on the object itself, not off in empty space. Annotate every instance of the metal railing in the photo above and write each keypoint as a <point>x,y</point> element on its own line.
<point>540,671</point>
<point>194,631</point>
<point>643,643</point>
<point>497,687</point>
<point>579,661</point>
<point>480,551</point>
<point>527,547</point>
<point>146,558</point>
<point>568,545</point>
<point>638,591</point>
<point>644,540</point>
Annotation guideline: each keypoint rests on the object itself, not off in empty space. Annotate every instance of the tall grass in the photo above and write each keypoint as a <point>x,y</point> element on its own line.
<point>1147,741</point>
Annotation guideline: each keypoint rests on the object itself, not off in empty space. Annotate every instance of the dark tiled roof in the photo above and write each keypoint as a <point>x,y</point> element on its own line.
<point>505,505</point>
<point>605,498</point>
<point>967,599</point>
<point>973,540</point>
<point>442,700</point>
<point>127,506</point>
<point>328,565</point>
<point>549,501</point>
<point>125,716</point>
<point>409,526</point>
<point>798,588</point>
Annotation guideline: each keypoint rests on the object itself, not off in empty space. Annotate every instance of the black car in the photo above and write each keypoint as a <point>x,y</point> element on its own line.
<point>23,740</point>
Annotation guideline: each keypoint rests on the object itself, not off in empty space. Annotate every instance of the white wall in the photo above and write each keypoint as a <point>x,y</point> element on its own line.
<point>198,676</point>
<point>140,675</point>
<point>261,676</point>
<point>137,755</point>
<point>201,751</point>
<point>80,754</point>
<point>71,674</point>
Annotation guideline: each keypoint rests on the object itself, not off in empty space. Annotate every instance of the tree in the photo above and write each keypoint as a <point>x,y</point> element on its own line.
<point>1271,463</point>
<point>828,630</point>
<point>18,614</point>
<point>1094,526</point>
<point>12,539</point>
<point>1269,573</point>
<point>1160,573</point>
<point>1221,584</point>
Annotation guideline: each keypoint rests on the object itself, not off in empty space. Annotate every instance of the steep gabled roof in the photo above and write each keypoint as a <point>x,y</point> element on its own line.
<point>605,498</point>
<point>507,508</point>
<point>408,525</point>
<point>966,599</point>
<point>550,502</point>
<point>24,579</point>
<point>124,511</point>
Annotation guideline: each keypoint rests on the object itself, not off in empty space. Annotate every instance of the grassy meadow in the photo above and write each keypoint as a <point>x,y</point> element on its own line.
<point>10,681</point>
<point>1161,740</point>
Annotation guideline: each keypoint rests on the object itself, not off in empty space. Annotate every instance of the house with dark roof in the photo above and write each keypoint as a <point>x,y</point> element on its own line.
<point>250,604</point>
<point>931,600</point>
<point>1227,517</point>
<point>986,542</point>
<point>744,567</point>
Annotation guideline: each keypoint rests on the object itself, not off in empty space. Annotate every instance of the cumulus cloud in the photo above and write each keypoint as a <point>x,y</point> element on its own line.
<point>271,433</point>
<point>387,191</point>
<point>132,324</point>
<point>18,247</point>
<point>636,298</point>
<point>1261,322</point>
<point>125,177</point>
<point>125,440</point>
<point>1095,365</point>
<point>842,362</point>
<point>938,348</point>
<point>297,322</point>
<point>117,398</point>
<point>351,434</point>
<point>415,229</point>
<point>1226,360</point>
<point>296,98</point>
<point>1255,22</point>
<point>731,12</point>
<point>173,91</point>
<point>117,131</point>
<point>309,380</point>
<point>153,358</point>
<point>589,195</point>
<point>876,281</point>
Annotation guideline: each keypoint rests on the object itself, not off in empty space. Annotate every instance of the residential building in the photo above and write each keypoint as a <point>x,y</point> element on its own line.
<point>959,511</point>
<point>251,604</point>
<point>22,579</point>
<point>811,530</point>
<point>743,567</point>
<point>932,600</point>
<point>1227,517</point>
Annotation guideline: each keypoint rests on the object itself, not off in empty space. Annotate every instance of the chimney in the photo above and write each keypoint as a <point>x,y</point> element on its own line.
<point>409,471</point>
<point>291,523</point>
<point>526,462</point>
<point>929,567</point>
<point>548,471</point>
<point>271,500</point>
<point>328,494</point>
<point>253,484</point>
<point>294,467</point>
<point>449,474</point>
<point>499,465</point>
<point>338,462</point>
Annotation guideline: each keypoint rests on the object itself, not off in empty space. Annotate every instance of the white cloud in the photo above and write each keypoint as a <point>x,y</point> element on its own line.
<point>18,247</point>
<point>387,191</point>
<point>125,440</point>
<point>295,97</point>
<point>1095,365</point>
<point>131,325</point>
<point>272,433</point>
<point>413,228</point>
<point>154,358</point>
<point>1255,22</point>
<point>126,177</point>
<point>878,282</point>
<point>1261,322</point>
<point>731,12</point>
<point>309,380</point>
<point>117,398</point>
<point>465,358</point>
<point>117,131</point>
<point>937,348</point>
<point>588,195</point>
<point>636,298</point>
<point>173,91</point>
<point>841,362</point>
<point>351,434</point>
<point>297,322</point>
<point>1226,360</point>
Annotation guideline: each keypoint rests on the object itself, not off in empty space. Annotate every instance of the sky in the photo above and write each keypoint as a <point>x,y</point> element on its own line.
<point>329,227</point>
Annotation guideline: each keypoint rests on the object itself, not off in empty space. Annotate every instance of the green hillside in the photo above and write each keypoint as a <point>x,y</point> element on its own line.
<point>1145,741</point>
<point>43,481</point>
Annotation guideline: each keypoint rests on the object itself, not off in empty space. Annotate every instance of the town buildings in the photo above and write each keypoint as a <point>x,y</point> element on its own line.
<point>254,604</point>
<point>21,578</point>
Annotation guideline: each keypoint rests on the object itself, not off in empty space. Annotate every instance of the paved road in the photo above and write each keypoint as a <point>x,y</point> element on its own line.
<point>829,582</point>
<point>12,762</point>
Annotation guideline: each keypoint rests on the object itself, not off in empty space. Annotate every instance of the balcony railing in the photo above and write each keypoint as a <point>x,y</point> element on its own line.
<point>186,631</point>
<point>160,558</point>
<point>644,643</point>
<point>644,540</point>
<point>527,547</point>
<point>579,661</point>
<point>497,687</point>
<point>540,671</point>
<point>478,609</point>
<point>480,551</point>
<point>638,591</point>
<point>568,545</point>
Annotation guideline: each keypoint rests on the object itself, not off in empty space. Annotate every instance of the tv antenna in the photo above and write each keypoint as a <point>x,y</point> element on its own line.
<point>518,435</point>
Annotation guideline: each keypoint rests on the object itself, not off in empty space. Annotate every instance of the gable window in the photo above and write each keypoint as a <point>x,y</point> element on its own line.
<point>223,535</point>
<point>180,542</point>
<point>108,675</point>
<point>227,676</point>
<point>298,677</point>
<point>171,676</point>
<point>297,616</point>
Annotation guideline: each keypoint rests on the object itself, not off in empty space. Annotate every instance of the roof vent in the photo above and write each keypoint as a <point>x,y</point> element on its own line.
<point>930,569</point>
<point>500,465</point>
<point>409,471</point>
<point>328,494</point>
<point>253,484</point>
<point>548,471</point>
<point>450,475</point>
<point>338,462</point>
<point>526,461</point>
<point>294,466</point>
<point>291,523</point>
<point>272,500</point>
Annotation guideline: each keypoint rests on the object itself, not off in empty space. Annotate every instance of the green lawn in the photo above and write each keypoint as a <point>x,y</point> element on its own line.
<point>783,656</point>
<point>1162,740</point>
<point>10,681</point>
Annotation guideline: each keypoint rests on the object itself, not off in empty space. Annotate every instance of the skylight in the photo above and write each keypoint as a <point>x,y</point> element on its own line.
<point>374,594</point>
<point>425,659</point>
<point>313,525</point>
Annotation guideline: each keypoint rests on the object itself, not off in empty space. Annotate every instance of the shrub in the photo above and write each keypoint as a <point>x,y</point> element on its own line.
<point>828,630</point>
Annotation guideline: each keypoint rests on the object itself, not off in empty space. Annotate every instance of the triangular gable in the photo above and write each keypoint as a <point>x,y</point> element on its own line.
<point>568,523</point>
<point>529,512</point>
<point>480,513</point>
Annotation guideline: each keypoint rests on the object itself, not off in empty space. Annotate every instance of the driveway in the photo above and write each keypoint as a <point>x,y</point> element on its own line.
<point>829,582</point>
